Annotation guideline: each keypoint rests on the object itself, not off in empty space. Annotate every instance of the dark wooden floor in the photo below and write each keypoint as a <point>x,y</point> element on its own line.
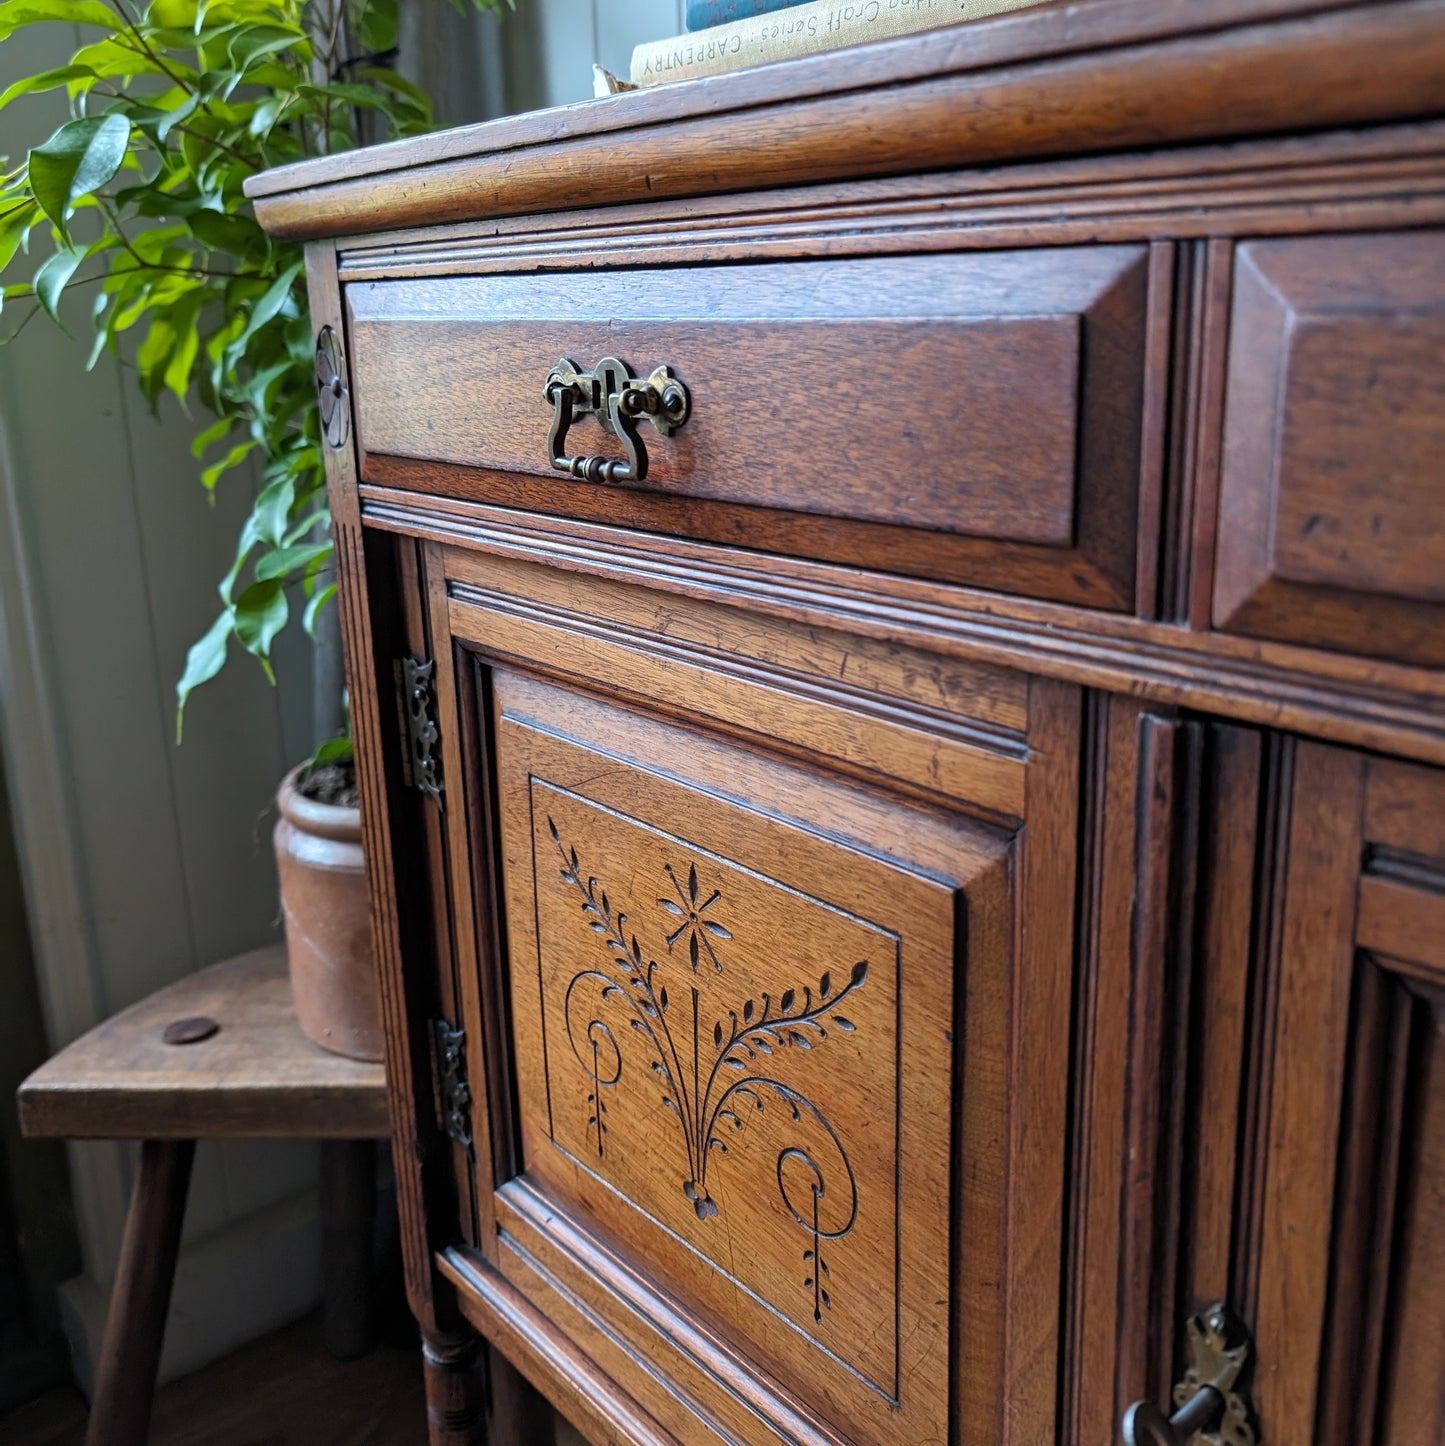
<point>281,1391</point>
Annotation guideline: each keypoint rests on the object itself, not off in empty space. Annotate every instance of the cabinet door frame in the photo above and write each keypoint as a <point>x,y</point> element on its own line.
<point>1028,768</point>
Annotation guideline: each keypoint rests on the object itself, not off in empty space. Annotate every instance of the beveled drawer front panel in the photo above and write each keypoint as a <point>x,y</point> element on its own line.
<point>1332,506</point>
<point>974,417</point>
<point>733,1006</point>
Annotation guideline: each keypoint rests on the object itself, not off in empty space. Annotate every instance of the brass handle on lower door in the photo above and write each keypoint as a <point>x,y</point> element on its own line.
<point>1211,1412</point>
<point>620,402</point>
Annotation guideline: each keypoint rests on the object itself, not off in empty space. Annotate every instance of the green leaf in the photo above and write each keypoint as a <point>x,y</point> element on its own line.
<point>261,613</point>
<point>272,509</point>
<point>254,42</point>
<point>45,80</point>
<point>275,298</point>
<point>205,659</point>
<point>14,223</point>
<point>53,277</point>
<point>19,13</point>
<point>78,159</point>
<point>235,235</point>
<point>153,357</point>
<point>188,342</point>
<point>233,458</point>
<point>377,27</point>
<point>244,545</point>
<point>313,609</point>
<point>334,750</point>
<point>320,518</point>
<point>203,439</point>
<point>287,559</point>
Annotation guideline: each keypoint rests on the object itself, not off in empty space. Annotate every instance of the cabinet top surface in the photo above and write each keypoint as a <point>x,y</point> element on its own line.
<point>1066,78</point>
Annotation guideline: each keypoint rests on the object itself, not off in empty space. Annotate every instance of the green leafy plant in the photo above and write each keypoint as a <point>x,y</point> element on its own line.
<point>136,202</point>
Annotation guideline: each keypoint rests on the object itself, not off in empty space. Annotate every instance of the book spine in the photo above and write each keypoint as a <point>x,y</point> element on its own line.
<point>704,14</point>
<point>801,30</point>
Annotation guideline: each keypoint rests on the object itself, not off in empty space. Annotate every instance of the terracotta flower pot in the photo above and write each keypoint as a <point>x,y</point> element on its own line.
<point>328,922</point>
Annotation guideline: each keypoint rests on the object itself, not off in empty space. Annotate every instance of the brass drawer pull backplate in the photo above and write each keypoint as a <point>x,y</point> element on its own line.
<point>1210,1411</point>
<point>619,401</point>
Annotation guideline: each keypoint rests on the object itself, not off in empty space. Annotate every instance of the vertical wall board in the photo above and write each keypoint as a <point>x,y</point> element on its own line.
<point>142,861</point>
<point>623,24</point>
<point>456,59</point>
<point>224,774</point>
<point>79,522</point>
<point>567,40</point>
<point>68,451</point>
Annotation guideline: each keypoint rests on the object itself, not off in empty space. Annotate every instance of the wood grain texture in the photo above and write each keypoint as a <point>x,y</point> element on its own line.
<point>1036,1116</point>
<point>371,644</point>
<point>1316,955</point>
<point>1383,175</point>
<point>456,1404</point>
<point>1105,22</point>
<point>1287,74</point>
<point>889,423</point>
<point>257,1077</point>
<point>1229,851</point>
<point>1137,958</point>
<point>828,1092</point>
<point>1365,702</point>
<point>1332,529</point>
<point>595,1405</point>
<point>1357,1211</point>
<point>622,641</point>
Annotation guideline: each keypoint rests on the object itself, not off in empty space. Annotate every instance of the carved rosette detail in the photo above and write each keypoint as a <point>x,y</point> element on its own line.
<point>814,1176</point>
<point>333,397</point>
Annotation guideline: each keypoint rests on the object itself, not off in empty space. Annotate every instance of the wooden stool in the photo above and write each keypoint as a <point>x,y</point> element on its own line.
<point>217,1055</point>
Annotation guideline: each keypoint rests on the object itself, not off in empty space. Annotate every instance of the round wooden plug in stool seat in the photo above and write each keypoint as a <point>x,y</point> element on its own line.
<point>216,1055</point>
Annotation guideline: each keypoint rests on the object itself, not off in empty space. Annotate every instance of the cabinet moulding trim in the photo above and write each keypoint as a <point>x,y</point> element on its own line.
<point>545,1356</point>
<point>527,1261</point>
<point>1160,74</point>
<point>1393,176</point>
<point>966,732</point>
<point>996,787</point>
<point>1339,697</point>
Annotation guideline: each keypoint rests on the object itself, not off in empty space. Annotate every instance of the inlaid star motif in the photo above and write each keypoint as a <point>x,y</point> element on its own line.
<point>700,932</point>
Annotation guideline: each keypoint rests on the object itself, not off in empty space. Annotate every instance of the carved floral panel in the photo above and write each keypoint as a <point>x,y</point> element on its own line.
<point>733,1012</point>
<point>723,1050</point>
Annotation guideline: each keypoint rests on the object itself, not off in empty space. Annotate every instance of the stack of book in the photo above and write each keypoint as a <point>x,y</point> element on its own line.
<point>734,34</point>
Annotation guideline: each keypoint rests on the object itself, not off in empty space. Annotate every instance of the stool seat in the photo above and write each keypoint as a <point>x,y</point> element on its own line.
<point>217,1055</point>
<point>256,1077</point>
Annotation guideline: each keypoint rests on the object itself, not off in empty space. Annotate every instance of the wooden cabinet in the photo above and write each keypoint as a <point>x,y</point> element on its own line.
<point>902,738</point>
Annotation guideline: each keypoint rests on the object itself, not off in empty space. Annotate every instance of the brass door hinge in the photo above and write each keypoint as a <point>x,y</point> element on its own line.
<point>417,705</point>
<point>454,1095</point>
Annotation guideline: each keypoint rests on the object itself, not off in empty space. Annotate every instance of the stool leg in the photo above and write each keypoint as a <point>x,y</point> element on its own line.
<point>348,1222</point>
<point>135,1325</point>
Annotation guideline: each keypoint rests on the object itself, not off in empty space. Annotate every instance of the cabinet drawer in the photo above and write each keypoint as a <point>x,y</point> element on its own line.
<point>973,418</point>
<point>1332,505</point>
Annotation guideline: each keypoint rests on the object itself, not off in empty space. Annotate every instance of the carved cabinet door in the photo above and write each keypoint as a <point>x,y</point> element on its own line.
<point>767,1052</point>
<point>1343,1232</point>
<point>1314,1149</point>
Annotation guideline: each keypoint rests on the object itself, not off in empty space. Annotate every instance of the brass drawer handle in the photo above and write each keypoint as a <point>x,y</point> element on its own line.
<point>1211,1412</point>
<point>619,401</point>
